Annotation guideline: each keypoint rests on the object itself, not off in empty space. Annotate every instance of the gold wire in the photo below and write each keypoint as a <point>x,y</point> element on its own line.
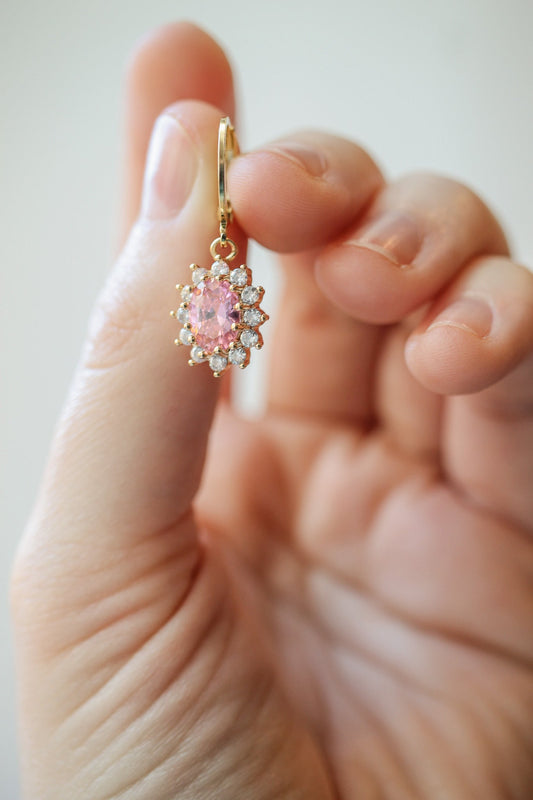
<point>228,147</point>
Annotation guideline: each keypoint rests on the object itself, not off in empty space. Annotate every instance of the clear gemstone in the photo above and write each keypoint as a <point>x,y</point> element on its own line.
<point>252,317</point>
<point>239,277</point>
<point>196,353</point>
<point>185,336</point>
<point>249,338</point>
<point>218,363</point>
<point>198,275</point>
<point>185,293</point>
<point>212,313</point>
<point>219,268</point>
<point>249,295</point>
<point>183,315</point>
<point>237,356</point>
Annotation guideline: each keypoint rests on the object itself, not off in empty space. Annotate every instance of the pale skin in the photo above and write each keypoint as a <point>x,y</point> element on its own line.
<point>334,601</point>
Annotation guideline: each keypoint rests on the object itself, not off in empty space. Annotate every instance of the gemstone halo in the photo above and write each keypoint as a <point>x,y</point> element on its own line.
<point>220,316</point>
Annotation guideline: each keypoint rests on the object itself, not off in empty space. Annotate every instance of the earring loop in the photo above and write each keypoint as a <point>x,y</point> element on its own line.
<point>228,147</point>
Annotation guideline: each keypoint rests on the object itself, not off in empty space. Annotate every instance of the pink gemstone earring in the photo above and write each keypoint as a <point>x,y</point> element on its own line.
<point>220,313</point>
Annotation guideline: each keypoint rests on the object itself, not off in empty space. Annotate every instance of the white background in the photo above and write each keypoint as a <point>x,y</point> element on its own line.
<point>439,85</point>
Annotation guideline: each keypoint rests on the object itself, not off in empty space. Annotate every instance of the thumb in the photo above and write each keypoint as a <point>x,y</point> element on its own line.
<point>129,449</point>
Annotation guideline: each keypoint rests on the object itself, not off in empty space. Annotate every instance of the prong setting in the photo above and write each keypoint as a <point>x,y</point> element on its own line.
<point>238,322</point>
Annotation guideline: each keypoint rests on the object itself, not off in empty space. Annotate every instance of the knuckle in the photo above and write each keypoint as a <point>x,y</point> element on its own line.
<point>444,186</point>
<point>114,328</point>
<point>21,587</point>
<point>122,311</point>
<point>455,204</point>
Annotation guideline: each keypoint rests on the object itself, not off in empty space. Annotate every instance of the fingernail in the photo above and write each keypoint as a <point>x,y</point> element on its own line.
<point>470,312</point>
<point>395,235</point>
<point>311,160</point>
<point>171,168</point>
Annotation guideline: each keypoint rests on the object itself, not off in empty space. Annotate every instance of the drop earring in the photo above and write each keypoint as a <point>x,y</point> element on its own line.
<point>219,312</point>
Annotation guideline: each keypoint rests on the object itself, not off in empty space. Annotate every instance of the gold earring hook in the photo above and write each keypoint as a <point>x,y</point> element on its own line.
<point>228,147</point>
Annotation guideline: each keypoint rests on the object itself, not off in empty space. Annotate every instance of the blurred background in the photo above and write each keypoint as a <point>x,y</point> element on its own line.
<point>442,85</point>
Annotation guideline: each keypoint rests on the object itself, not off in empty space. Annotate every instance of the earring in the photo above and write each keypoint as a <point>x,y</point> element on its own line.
<point>220,311</point>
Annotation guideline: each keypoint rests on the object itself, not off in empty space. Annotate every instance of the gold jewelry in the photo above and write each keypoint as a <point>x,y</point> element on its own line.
<point>220,311</point>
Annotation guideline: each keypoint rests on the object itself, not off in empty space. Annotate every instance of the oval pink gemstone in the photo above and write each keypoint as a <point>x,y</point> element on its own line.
<point>211,314</point>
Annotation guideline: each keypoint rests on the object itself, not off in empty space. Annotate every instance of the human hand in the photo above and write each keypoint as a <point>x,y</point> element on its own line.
<point>344,608</point>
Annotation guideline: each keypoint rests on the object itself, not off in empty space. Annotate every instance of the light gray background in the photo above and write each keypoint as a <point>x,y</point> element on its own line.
<point>440,85</point>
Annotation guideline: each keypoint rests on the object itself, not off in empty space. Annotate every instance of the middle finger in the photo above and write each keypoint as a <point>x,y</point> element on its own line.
<point>417,235</point>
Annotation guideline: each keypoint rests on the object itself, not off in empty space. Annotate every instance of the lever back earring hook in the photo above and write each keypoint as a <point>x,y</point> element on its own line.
<point>228,147</point>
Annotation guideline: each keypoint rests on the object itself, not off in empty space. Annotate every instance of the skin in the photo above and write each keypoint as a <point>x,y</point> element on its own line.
<point>335,600</point>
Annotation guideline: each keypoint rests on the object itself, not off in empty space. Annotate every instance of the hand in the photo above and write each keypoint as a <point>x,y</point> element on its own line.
<point>344,608</point>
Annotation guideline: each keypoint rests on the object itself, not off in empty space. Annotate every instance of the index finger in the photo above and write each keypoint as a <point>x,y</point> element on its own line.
<point>302,191</point>
<point>298,194</point>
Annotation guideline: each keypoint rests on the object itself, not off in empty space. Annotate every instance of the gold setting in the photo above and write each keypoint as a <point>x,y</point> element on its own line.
<point>238,345</point>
